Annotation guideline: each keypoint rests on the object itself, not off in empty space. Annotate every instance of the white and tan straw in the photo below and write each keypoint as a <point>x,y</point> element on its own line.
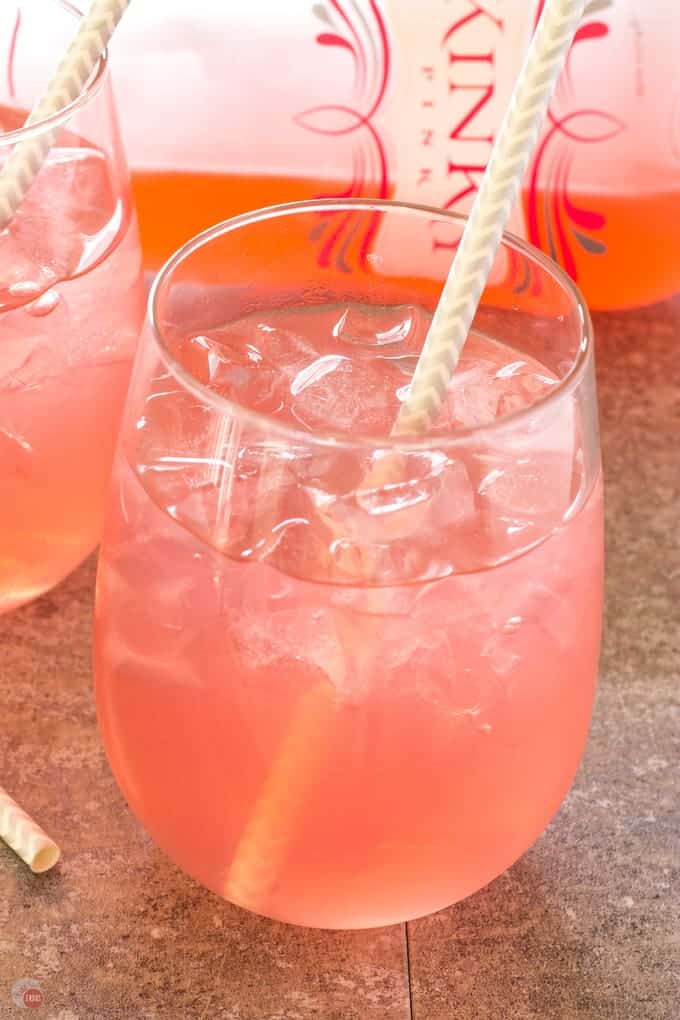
<point>490,214</point>
<point>25,836</point>
<point>87,48</point>
<point>267,834</point>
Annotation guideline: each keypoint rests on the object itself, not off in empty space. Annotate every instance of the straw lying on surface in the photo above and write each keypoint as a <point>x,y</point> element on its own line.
<point>27,159</point>
<point>25,837</point>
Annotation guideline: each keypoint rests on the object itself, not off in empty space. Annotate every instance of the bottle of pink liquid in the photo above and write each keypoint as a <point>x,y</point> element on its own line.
<point>247,106</point>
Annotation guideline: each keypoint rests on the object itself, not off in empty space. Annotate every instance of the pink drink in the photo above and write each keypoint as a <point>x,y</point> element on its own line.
<point>345,731</point>
<point>71,303</point>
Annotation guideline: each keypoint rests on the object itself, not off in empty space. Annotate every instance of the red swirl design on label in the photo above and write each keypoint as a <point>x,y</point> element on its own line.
<point>11,57</point>
<point>554,222</point>
<point>361,31</point>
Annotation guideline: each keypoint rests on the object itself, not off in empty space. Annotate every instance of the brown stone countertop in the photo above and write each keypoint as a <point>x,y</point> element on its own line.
<point>585,927</point>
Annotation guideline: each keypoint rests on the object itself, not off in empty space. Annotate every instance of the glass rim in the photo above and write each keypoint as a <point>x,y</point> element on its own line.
<point>89,90</point>
<point>340,440</point>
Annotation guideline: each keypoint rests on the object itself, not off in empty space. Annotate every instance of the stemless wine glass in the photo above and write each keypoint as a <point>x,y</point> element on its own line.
<point>345,679</point>
<point>71,306</point>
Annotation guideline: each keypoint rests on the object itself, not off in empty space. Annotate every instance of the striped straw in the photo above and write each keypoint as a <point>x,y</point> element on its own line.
<point>87,48</point>
<point>270,829</point>
<point>490,214</point>
<point>25,837</point>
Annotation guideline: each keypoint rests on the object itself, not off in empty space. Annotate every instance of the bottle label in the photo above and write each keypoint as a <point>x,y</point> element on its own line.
<point>428,92</point>
<point>430,87</point>
<point>463,60</point>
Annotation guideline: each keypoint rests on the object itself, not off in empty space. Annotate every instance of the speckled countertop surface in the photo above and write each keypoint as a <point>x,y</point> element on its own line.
<point>585,927</point>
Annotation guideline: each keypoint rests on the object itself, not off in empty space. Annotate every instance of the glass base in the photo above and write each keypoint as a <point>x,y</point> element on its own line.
<point>17,595</point>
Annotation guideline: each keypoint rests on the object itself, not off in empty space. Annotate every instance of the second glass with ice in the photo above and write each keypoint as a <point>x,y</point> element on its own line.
<point>71,307</point>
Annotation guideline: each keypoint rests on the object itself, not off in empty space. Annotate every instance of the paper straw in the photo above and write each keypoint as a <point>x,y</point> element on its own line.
<point>257,859</point>
<point>86,49</point>
<point>267,835</point>
<point>490,214</point>
<point>25,837</point>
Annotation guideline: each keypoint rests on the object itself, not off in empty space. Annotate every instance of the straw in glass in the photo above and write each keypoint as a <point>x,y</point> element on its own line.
<point>81,58</point>
<point>490,214</point>
<point>448,332</point>
<point>266,838</point>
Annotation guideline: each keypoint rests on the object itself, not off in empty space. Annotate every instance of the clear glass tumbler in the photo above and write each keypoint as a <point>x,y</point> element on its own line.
<point>71,307</point>
<point>344,678</point>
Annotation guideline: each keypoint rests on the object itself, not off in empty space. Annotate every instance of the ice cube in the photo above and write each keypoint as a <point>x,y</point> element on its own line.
<point>471,398</point>
<point>28,354</point>
<point>19,357</point>
<point>389,327</point>
<point>315,636</point>
<point>455,503</point>
<point>236,370</point>
<point>526,476</point>
<point>339,394</point>
<point>382,517</point>
<point>487,386</point>
<point>347,367</point>
<point>285,338</point>
<point>21,279</point>
<point>67,220</point>
<point>266,512</point>
<point>182,451</point>
<point>520,471</point>
<point>176,605</point>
